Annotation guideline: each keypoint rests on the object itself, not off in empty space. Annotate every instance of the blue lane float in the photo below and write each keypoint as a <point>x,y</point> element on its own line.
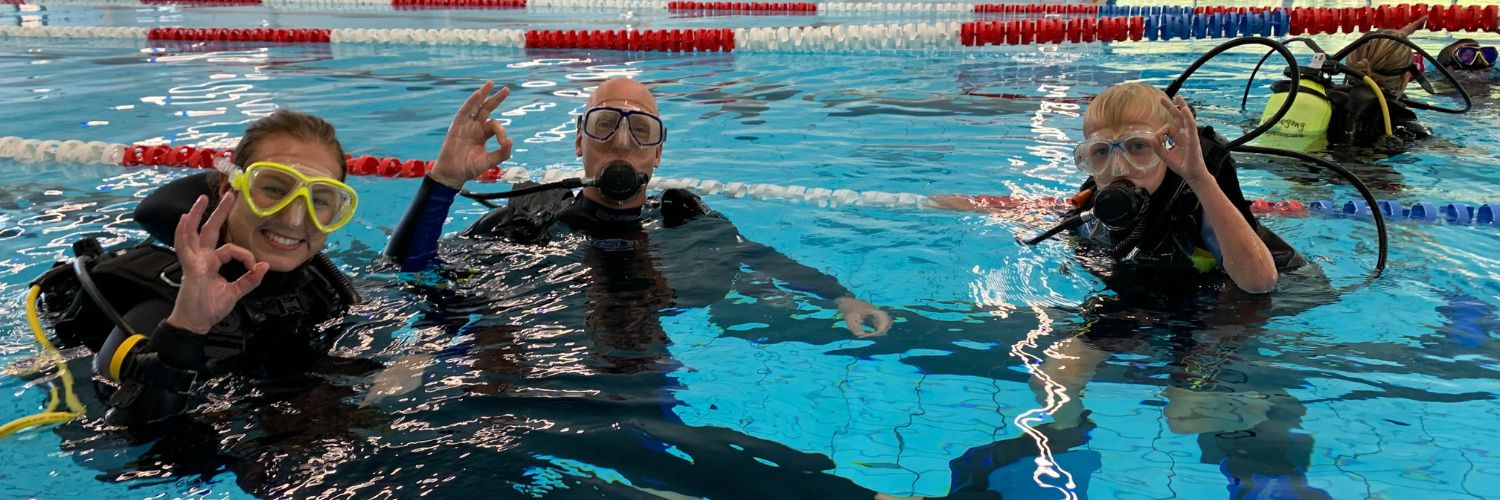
<point>1450,213</point>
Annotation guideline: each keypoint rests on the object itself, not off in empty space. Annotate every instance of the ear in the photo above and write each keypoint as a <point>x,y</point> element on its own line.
<point>1414,26</point>
<point>578,144</point>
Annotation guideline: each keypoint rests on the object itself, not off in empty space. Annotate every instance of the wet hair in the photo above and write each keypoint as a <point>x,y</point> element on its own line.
<point>1124,101</point>
<point>298,125</point>
<point>1382,55</point>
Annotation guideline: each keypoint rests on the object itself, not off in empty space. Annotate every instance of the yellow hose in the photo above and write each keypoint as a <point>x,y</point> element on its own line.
<point>1385,110</point>
<point>51,415</point>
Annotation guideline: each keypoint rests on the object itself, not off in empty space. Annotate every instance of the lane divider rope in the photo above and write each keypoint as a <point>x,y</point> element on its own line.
<point>131,155</point>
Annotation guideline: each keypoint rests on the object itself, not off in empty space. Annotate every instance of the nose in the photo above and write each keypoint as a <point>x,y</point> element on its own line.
<point>1117,165</point>
<point>294,215</point>
<point>622,139</point>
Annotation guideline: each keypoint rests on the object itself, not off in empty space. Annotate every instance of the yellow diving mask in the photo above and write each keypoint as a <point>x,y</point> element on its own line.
<point>269,187</point>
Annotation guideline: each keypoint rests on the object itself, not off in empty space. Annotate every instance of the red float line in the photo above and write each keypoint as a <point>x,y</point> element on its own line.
<point>1036,9</point>
<point>457,4</point>
<point>284,35</point>
<point>1029,31</point>
<point>677,40</point>
<point>1321,20</point>
<point>157,155</point>
<point>747,7</point>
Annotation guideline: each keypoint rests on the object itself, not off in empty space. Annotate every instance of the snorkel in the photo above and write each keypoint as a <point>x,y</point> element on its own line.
<point>1150,230</point>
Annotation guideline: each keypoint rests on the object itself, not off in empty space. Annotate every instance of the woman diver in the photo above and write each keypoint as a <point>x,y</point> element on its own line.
<point>1473,64</point>
<point>244,293</point>
<point>1361,118</point>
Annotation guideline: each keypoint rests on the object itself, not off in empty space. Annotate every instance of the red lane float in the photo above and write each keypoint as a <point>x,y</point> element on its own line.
<point>676,40</point>
<point>748,7</point>
<point>457,4</point>
<point>159,155</point>
<point>990,8</point>
<point>282,35</point>
<point>1027,31</point>
<point>1325,20</point>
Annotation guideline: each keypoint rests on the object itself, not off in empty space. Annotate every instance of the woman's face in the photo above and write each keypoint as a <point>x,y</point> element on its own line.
<point>286,239</point>
<point>1132,122</point>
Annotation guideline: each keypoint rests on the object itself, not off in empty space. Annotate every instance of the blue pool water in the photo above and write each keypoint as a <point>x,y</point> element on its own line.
<point>1379,390</point>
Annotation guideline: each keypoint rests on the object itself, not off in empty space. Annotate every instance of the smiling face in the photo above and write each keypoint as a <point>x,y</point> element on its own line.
<point>1122,111</point>
<point>286,239</point>
<point>625,94</point>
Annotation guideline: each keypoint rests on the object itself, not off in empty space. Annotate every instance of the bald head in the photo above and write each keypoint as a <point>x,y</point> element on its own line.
<point>618,91</point>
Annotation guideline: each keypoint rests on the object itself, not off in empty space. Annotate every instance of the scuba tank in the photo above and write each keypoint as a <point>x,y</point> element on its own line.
<point>1305,126</point>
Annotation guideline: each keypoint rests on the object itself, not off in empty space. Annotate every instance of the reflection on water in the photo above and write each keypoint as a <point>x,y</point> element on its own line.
<point>665,371</point>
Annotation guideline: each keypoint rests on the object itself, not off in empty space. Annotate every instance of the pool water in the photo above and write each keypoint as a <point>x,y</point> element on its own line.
<point>717,380</point>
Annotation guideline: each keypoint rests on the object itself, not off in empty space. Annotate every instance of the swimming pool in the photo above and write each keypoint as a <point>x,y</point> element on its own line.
<point>1378,390</point>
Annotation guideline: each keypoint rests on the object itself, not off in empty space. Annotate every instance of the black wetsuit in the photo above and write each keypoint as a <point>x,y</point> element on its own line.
<point>274,331</point>
<point>1172,290</point>
<point>621,274</point>
<point>541,217</point>
<point>1357,119</point>
<point>1182,248</point>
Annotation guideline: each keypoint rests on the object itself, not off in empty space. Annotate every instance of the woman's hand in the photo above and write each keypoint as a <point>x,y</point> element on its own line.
<point>205,297</point>
<point>1186,156</point>
<point>463,156</point>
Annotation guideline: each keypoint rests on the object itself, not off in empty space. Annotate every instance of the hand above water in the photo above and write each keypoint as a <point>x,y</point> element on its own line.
<point>1186,156</point>
<point>463,156</point>
<point>205,297</point>
<point>856,312</point>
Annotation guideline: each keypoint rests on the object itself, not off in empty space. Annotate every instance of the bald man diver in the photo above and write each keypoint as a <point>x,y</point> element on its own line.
<point>620,140</point>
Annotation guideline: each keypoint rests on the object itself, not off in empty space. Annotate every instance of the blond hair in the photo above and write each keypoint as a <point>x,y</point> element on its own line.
<point>1124,102</point>
<point>1382,55</point>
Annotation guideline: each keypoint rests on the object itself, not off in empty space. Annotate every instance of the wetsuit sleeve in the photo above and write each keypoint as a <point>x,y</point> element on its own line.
<point>154,372</point>
<point>793,274</point>
<point>414,243</point>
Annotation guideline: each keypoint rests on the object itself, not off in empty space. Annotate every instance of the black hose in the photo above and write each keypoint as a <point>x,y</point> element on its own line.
<point>1177,85</point>
<point>1347,175</point>
<point>1072,221</point>
<point>1251,81</point>
<point>1286,107</point>
<point>1148,234</point>
<point>80,268</point>
<point>483,198</point>
<point>1468,103</point>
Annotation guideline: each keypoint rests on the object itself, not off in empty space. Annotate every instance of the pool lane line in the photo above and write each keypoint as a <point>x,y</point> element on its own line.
<point>808,39</point>
<point>131,155</point>
<point>1167,21</point>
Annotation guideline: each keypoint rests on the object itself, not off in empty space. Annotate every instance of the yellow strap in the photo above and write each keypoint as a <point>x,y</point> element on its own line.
<point>1385,111</point>
<point>116,361</point>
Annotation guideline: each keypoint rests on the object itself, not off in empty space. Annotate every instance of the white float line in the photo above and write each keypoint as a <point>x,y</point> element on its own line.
<point>821,197</point>
<point>543,5</point>
<point>908,36</point>
<point>102,153</point>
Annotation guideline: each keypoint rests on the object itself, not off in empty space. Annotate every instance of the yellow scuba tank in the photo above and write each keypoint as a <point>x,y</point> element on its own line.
<point>1305,126</point>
